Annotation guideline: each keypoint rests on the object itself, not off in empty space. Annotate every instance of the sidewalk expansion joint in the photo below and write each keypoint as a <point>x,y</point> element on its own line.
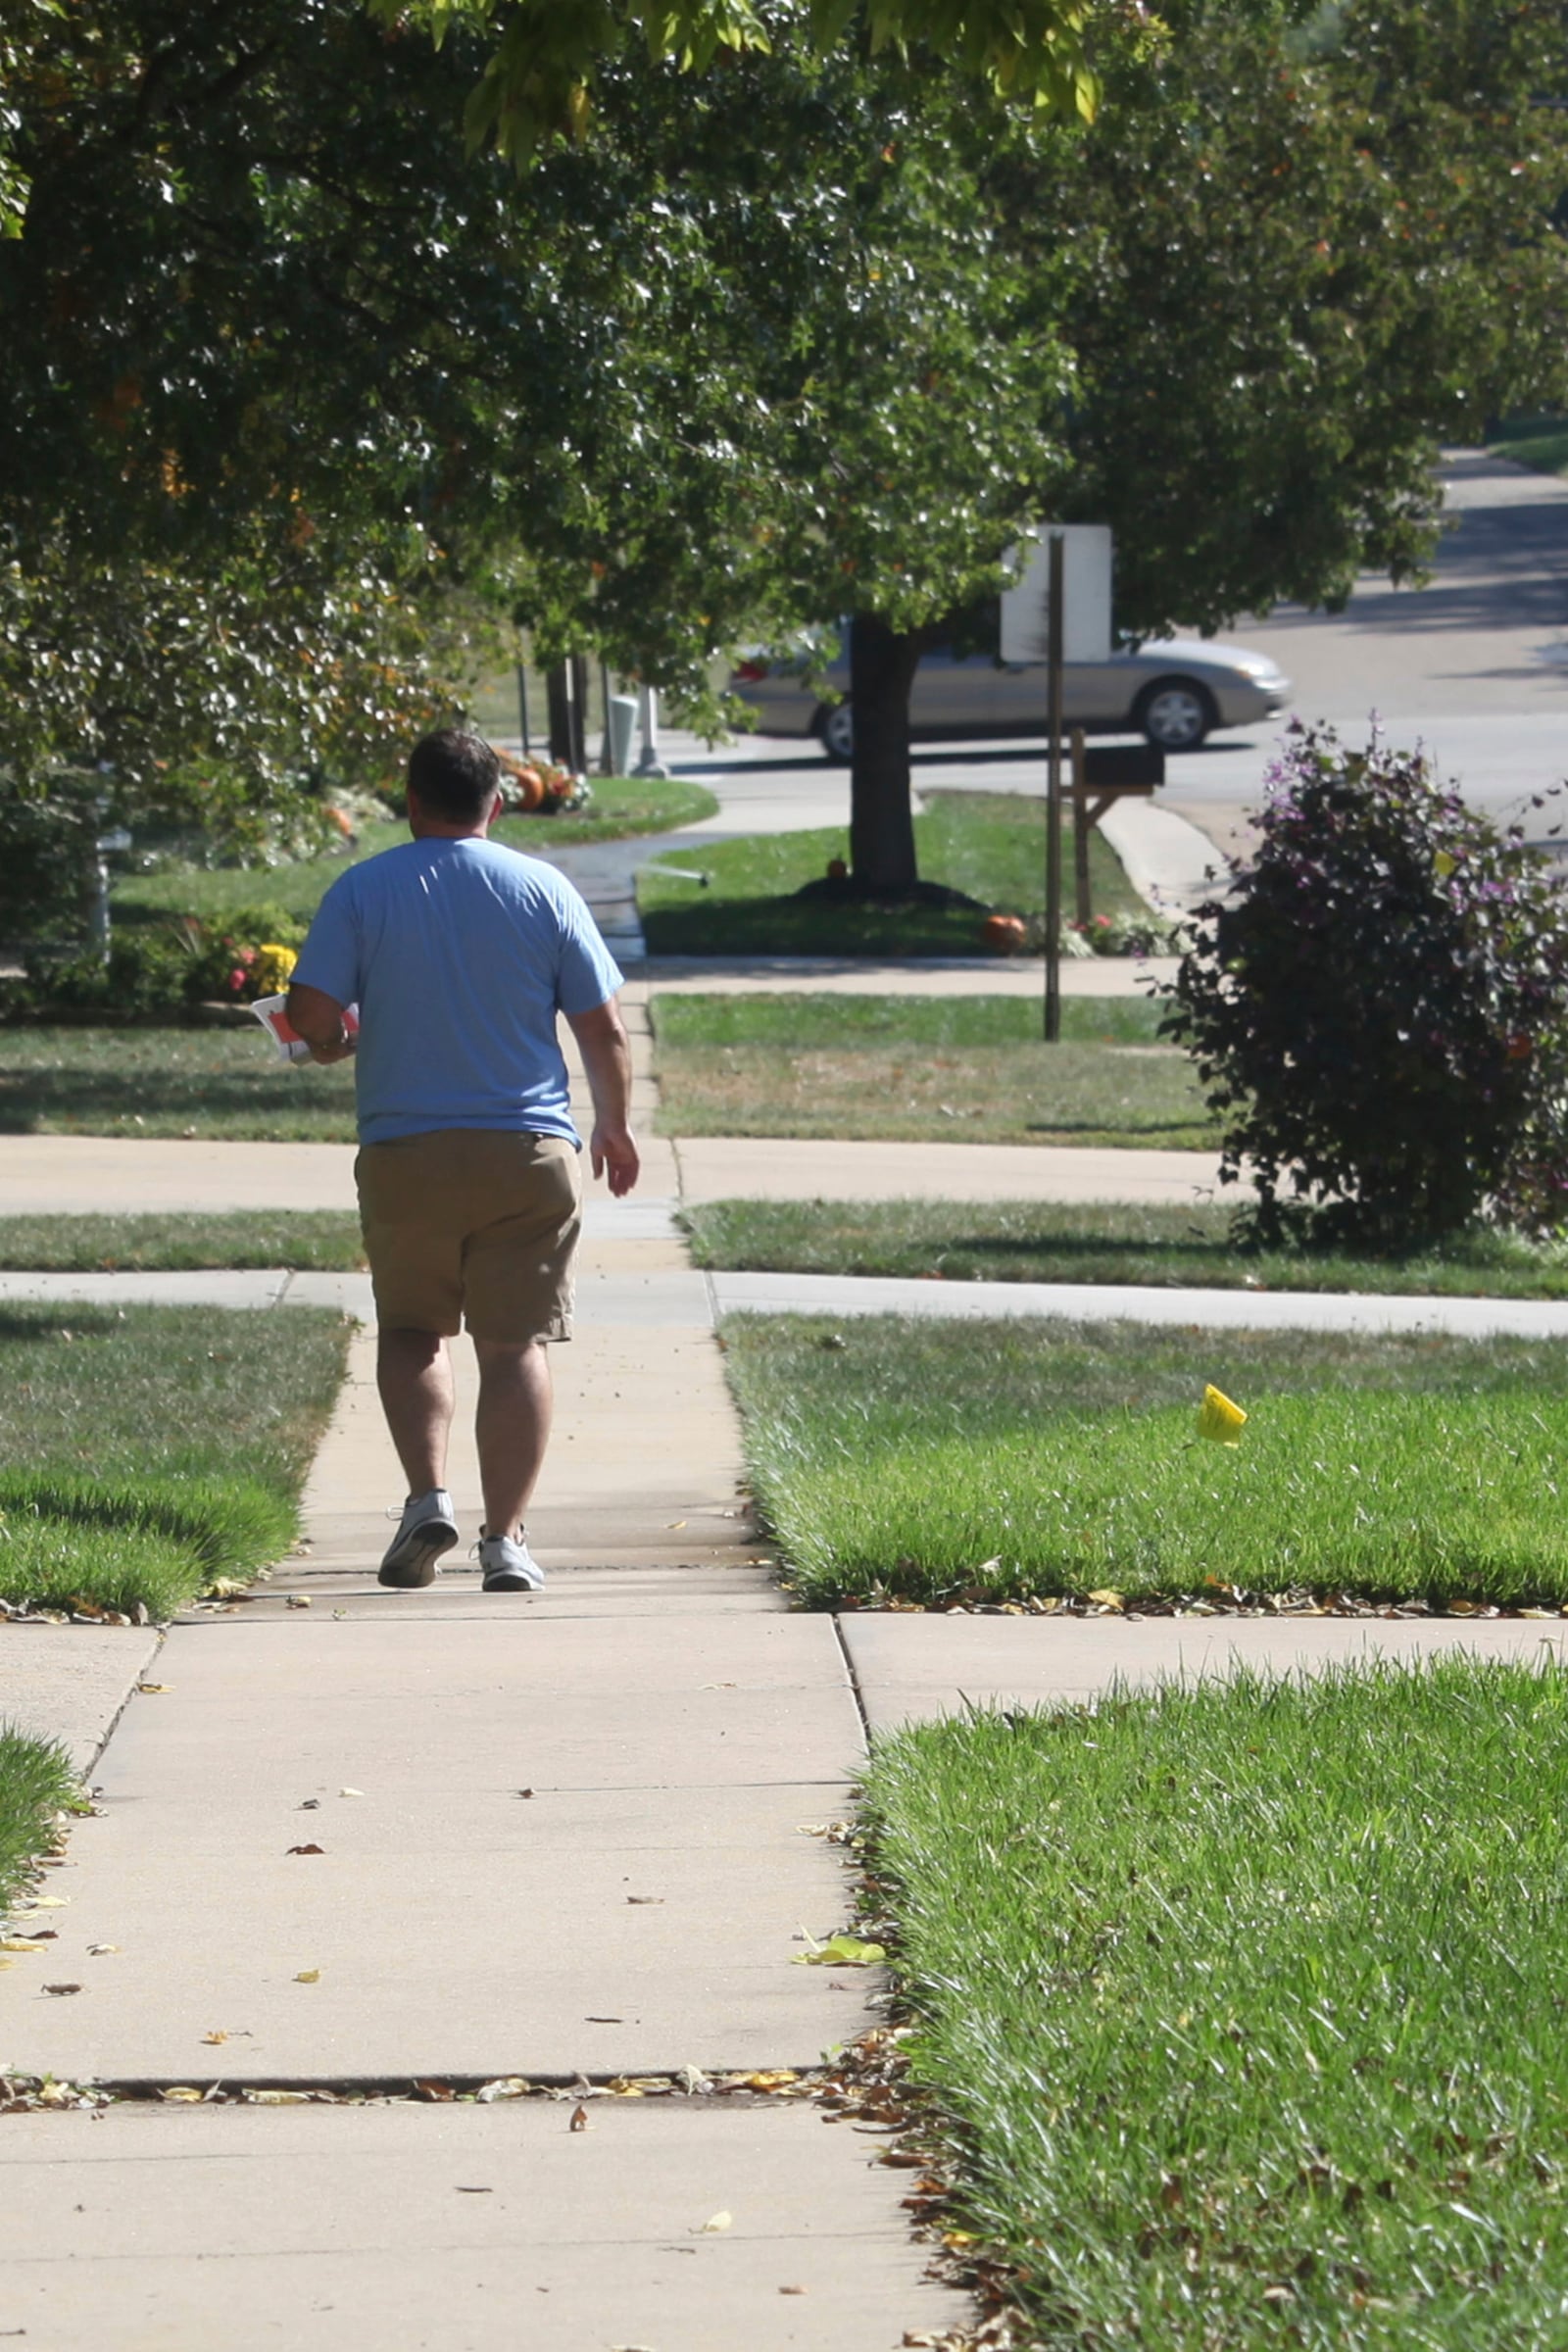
<point>853,1680</point>
<point>690,2086</point>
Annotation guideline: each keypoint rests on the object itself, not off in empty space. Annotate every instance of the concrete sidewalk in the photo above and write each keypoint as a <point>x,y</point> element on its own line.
<point>354,1840</point>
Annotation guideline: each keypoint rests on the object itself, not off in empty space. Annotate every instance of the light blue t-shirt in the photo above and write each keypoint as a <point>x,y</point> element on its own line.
<point>459,955</point>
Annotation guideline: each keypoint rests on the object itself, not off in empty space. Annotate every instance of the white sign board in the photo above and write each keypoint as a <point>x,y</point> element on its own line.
<point>1086,556</point>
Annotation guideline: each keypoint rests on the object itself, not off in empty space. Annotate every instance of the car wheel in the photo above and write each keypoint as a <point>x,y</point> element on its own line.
<point>1175,713</point>
<point>835,732</point>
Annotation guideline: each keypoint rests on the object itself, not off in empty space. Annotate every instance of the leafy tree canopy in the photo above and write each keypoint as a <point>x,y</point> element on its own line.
<point>547,56</point>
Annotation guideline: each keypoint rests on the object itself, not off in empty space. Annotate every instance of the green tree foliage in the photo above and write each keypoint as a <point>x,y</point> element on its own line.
<point>547,56</point>
<point>218,557</point>
<point>1378,1009</point>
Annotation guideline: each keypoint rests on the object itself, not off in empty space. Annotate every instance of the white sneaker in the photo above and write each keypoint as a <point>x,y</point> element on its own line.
<point>507,1565</point>
<point>428,1527</point>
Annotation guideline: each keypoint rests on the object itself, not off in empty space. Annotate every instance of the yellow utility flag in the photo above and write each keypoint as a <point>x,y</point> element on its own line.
<point>1218,1419</point>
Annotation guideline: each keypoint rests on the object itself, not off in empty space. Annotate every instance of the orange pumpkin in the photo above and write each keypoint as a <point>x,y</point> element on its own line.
<point>532,785</point>
<point>1002,933</point>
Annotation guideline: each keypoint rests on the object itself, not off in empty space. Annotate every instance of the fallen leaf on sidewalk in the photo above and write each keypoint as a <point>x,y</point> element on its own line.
<point>297,1600</point>
<point>579,2120</point>
<point>773,2077</point>
<point>791,2290</point>
<point>96,1951</point>
<point>150,1687</point>
<point>350,1792</point>
<point>306,1849</point>
<point>42,1902</point>
<point>714,2223</point>
<point>639,1899</point>
<point>278,2098</point>
<point>463,2190</point>
<point>215,2035</point>
<point>842,1951</point>
<point>182,2094</point>
<point>505,2086</point>
<point>62,1988</point>
<point>309,1976</point>
<point>20,1943</point>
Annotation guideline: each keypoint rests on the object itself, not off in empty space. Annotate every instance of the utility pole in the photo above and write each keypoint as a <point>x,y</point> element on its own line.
<point>1053,643</point>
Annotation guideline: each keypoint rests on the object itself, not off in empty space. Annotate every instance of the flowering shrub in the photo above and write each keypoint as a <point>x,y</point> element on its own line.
<point>540,787</point>
<point>1379,1009</point>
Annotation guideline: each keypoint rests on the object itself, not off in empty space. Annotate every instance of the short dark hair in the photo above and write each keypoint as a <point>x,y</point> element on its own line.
<point>453,775</point>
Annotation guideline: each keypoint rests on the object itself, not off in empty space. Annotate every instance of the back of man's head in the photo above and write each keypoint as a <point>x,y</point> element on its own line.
<point>453,775</point>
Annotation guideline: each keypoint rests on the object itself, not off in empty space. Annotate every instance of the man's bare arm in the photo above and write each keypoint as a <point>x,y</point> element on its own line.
<point>318,1019</point>
<point>606,1053</point>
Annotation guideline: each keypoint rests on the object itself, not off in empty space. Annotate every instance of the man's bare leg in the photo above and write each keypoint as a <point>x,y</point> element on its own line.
<point>511,1427</point>
<point>414,1373</point>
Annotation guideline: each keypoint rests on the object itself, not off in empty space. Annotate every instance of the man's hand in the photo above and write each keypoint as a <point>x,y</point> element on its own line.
<point>606,1053</point>
<point>318,1019</point>
<point>613,1152</point>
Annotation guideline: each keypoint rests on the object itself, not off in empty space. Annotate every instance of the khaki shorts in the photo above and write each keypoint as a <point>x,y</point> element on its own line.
<point>475,1224</point>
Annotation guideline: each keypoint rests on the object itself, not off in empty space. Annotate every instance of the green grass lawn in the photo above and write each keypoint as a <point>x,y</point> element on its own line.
<point>1111,1241</point>
<point>36,1785</point>
<point>163,1447</point>
<point>991,845</point>
<point>193,1082</point>
<point>1241,2007</point>
<point>312,1241</point>
<point>621,806</point>
<point>958,1069</point>
<point>946,1461</point>
<point>1540,442</point>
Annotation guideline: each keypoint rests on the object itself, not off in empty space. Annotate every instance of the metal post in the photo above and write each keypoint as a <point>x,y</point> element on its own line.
<point>649,762</point>
<point>1053,803</point>
<point>1080,831</point>
<point>606,763</point>
<point>522,708</point>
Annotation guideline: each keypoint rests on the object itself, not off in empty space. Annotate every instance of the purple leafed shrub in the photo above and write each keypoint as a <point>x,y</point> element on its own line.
<point>1378,1010</point>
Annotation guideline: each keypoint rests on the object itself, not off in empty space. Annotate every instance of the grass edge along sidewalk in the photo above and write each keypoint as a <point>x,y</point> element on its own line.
<point>305,1240</point>
<point>622,808</point>
<point>1156,1244</point>
<point>924,1068</point>
<point>738,896</point>
<point>936,1463</point>
<point>38,1785</point>
<point>1234,2009</point>
<point>164,1450</point>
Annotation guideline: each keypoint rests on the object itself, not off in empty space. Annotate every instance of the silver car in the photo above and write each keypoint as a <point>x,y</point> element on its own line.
<point>1174,691</point>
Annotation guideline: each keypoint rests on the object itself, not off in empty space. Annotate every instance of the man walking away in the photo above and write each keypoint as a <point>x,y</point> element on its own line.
<point>459,954</point>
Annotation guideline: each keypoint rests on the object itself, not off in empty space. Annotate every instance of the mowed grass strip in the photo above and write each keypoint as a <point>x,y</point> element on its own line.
<point>952,1462</point>
<point>620,806</point>
<point>906,1069</point>
<point>990,844</point>
<point>309,1240</point>
<point>153,1448</point>
<point>36,1785</point>
<point>1241,2005</point>
<point>210,1083</point>
<point>1155,1245</point>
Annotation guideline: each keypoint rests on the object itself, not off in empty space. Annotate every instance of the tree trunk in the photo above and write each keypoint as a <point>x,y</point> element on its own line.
<point>567,698</point>
<point>882,665</point>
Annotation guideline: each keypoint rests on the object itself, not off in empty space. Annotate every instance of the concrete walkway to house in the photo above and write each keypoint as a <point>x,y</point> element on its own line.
<point>353,1840</point>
